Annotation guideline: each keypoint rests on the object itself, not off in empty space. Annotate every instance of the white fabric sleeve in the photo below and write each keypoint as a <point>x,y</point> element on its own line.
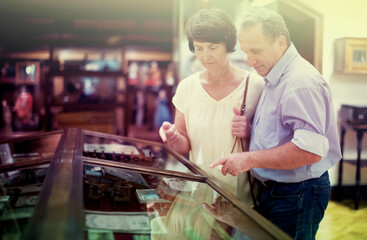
<point>311,142</point>
<point>178,98</point>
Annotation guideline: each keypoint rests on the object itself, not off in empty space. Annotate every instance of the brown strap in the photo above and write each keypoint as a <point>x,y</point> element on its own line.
<point>244,96</point>
<point>242,112</point>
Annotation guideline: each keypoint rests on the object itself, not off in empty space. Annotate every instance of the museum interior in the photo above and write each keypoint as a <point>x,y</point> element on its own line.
<point>85,86</point>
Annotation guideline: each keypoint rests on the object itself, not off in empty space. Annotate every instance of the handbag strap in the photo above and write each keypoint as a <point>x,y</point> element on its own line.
<point>243,105</point>
<point>242,112</point>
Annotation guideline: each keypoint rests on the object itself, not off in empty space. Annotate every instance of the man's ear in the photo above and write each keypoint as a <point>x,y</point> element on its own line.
<point>282,42</point>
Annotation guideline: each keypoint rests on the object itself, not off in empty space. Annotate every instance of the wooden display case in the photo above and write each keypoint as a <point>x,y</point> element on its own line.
<point>351,55</point>
<point>79,184</point>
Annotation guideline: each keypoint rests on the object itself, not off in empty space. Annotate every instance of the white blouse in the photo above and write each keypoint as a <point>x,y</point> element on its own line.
<point>209,122</point>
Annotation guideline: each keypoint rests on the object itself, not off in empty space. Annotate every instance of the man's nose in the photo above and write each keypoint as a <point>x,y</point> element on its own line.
<point>250,60</point>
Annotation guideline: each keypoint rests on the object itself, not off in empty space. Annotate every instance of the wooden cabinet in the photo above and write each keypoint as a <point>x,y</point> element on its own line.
<point>351,55</point>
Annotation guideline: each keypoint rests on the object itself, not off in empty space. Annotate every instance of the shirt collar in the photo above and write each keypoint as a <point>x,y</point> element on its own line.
<point>278,69</point>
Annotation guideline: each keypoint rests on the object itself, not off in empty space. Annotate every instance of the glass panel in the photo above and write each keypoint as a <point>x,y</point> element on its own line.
<point>359,56</point>
<point>132,152</point>
<point>144,206</point>
<point>30,149</point>
<point>19,194</point>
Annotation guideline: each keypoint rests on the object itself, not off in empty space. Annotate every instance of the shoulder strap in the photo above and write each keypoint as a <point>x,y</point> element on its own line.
<point>242,112</point>
<point>244,96</point>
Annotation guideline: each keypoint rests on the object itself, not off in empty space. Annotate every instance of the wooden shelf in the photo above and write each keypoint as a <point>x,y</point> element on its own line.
<point>86,74</point>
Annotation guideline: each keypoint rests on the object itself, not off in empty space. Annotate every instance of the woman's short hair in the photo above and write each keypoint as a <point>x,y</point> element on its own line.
<point>273,24</point>
<point>211,25</point>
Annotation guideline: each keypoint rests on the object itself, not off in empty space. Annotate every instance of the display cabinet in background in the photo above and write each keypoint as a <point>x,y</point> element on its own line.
<point>90,100</point>
<point>351,55</point>
<point>80,184</point>
<point>20,91</point>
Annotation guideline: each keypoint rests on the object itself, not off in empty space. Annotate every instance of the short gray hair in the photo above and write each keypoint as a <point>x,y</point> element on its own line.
<point>273,24</point>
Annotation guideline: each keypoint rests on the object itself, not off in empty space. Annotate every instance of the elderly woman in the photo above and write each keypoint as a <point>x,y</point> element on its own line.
<point>207,119</point>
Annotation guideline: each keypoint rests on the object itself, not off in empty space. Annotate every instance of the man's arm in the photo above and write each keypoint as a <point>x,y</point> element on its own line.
<point>287,156</point>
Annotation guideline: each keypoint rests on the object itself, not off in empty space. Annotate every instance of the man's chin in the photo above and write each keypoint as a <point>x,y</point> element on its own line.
<point>261,72</point>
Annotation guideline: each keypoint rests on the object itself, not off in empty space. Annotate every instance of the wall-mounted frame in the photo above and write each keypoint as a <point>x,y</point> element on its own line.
<point>351,55</point>
<point>27,72</point>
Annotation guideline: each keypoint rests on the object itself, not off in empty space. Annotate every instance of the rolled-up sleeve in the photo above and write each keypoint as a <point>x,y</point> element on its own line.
<point>311,142</point>
<point>304,111</point>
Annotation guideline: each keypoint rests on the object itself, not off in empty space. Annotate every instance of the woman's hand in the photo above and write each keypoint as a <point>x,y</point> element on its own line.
<point>161,208</point>
<point>240,127</point>
<point>168,133</point>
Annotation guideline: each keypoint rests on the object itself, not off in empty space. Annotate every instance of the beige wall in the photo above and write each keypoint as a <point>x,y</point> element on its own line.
<point>344,19</point>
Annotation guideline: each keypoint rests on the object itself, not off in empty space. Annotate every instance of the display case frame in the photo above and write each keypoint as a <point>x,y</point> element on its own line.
<point>60,208</point>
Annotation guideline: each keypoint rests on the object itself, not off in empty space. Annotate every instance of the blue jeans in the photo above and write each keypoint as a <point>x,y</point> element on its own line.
<point>296,208</point>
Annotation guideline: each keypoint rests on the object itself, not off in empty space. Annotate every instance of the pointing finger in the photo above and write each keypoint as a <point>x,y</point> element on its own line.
<point>218,162</point>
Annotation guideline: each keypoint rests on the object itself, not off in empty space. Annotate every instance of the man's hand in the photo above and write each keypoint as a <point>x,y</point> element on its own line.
<point>234,163</point>
<point>240,127</point>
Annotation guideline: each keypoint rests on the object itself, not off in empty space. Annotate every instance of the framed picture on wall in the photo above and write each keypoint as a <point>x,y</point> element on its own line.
<point>351,55</point>
<point>27,72</point>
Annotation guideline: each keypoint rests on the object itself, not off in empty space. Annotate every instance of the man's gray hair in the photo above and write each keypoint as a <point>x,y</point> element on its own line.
<point>273,24</point>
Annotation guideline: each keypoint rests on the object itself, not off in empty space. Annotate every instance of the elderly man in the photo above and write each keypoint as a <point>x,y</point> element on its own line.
<point>294,138</point>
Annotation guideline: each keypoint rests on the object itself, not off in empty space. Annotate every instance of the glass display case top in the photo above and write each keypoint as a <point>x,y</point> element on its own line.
<point>30,148</point>
<point>146,206</point>
<point>24,164</point>
<point>132,151</point>
<point>79,184</point>
<point>19,194</point>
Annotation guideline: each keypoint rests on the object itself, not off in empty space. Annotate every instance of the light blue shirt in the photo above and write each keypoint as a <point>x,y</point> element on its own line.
<point>296,106</point>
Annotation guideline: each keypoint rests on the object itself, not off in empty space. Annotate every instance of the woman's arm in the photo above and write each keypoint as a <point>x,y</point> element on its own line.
<point>175,135</point>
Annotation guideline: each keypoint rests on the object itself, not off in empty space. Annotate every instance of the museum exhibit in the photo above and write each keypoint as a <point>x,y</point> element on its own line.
<point>87,86</point>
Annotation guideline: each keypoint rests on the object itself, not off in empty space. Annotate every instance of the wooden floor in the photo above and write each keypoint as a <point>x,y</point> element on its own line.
<point>341,221</point>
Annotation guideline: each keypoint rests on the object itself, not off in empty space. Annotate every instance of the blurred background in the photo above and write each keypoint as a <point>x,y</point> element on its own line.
<point>113,66</point>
